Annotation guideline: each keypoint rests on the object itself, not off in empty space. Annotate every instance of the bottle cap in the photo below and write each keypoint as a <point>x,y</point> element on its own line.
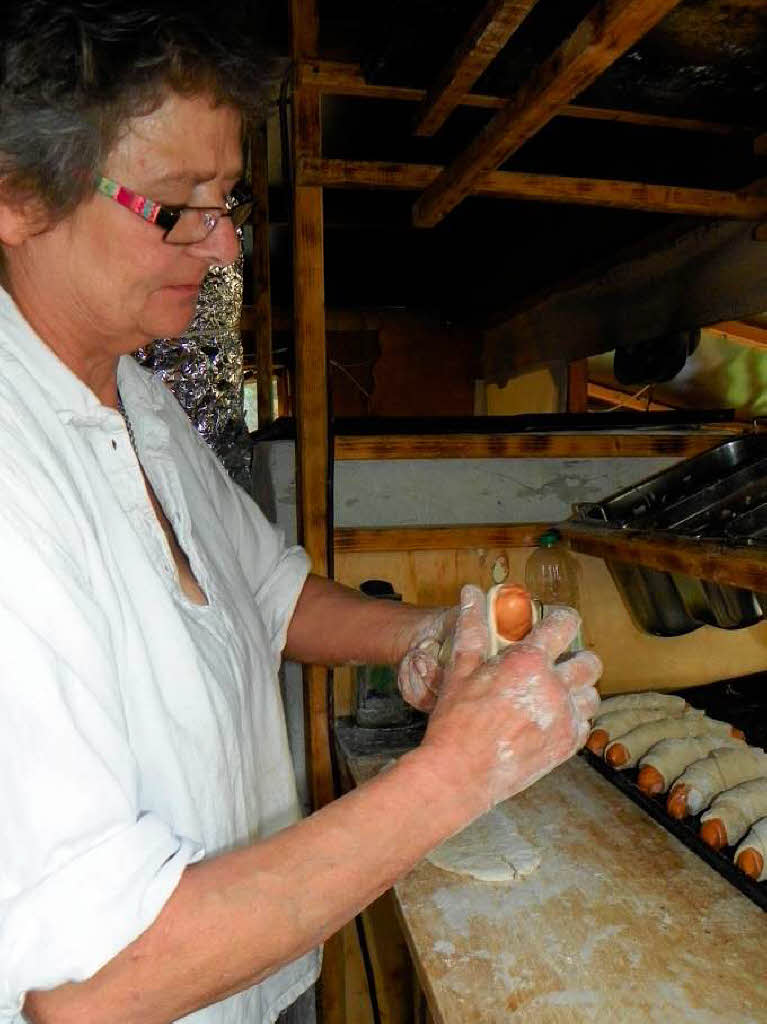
<point>549,538</point>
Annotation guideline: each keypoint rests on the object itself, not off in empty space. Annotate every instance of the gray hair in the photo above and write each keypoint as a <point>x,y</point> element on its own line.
<point>73,72</point>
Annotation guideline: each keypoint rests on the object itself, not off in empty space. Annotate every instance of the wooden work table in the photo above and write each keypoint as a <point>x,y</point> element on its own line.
<point>621,922</point>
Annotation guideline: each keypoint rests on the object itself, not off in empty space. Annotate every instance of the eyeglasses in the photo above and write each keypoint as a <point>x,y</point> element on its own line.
<point>183,225</point>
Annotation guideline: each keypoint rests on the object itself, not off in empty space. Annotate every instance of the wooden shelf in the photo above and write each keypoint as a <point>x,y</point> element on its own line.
<point>739,567</point>
<point>597,445</point>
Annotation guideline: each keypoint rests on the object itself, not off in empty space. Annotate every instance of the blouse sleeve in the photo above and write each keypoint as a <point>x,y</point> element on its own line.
<point>82,871</point>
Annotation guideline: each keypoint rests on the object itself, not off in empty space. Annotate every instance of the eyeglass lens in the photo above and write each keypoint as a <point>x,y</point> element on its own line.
<point>195,225</point>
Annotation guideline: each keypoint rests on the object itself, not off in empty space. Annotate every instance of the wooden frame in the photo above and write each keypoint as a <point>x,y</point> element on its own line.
<point>490,31</point>
<point>596,445</point>
<point>261,310</point>
<point>336,78</point>
<point>437,538</point>
<point>736,567</point>
<point>603,35</point>
<point>625,195</point>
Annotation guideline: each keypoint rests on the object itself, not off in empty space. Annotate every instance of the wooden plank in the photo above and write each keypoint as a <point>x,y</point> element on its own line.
<point>602,445</point>
<point>614,397</point>
<point>741,332</point>
<point>261,310</point>
<point>625,195</point>
<point>312,450</point>
<point>349,539</point>
<point>337,78</point>
<point>607,32</point>
<point>495,24</point>
<point>577,386</point>
<point>760,145</point>
<point>739,567</point>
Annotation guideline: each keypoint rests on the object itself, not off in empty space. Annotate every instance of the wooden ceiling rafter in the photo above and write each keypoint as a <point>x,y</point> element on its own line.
<point>742,333</point>
<point>627,195</point>
<point>624,400</point>
<point>609,29</point>
<point>490,31</point>
<point>337,78</point>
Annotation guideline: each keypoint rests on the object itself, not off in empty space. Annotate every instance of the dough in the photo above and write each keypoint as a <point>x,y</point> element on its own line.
<point>670,757</point>
<point>668,702</point>
<point>490,850</point>
<point>738,808</point>
<point>756,840</point>
<point>618,723</point>
<point>720,771</point>
<point>638,741</point>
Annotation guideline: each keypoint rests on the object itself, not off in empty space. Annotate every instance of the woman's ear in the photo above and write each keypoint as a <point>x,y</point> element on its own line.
<point>19,221</point>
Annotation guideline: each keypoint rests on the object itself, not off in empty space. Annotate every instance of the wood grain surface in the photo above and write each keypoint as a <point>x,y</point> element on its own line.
<point>620,923</point>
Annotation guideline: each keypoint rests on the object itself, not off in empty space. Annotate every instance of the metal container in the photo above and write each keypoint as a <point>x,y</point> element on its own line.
<point>721,496</point>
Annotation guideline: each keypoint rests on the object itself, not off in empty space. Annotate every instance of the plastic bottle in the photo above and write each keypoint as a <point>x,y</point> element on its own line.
<point>551,576</point>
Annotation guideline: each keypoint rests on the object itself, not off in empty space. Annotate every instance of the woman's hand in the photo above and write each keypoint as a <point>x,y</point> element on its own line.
<point>420,672</point>
<point>499,725</point>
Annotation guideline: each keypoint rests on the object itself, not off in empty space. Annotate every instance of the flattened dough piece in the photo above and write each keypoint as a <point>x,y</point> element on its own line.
<point>667,702</point>
<point>671,756</point>
<point>490,850</point>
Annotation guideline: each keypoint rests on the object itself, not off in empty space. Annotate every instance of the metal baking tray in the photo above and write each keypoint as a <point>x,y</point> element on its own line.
<point>741,701</point>
<point>720,494</point>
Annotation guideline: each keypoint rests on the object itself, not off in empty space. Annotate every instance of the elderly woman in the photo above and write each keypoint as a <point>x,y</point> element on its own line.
<point>152,864</point>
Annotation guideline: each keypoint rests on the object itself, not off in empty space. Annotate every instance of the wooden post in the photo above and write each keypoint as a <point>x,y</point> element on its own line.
<point>312,447</point>
<point>577,386</point>
<point>262,305</point>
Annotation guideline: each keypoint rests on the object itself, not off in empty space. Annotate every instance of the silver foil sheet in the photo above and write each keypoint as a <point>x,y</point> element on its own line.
<point>203,369</point>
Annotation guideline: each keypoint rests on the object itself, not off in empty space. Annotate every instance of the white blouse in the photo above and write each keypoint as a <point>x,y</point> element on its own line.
<point>138,731</point>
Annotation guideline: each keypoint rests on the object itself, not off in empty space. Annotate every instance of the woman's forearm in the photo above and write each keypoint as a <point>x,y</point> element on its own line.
<point>237,918</point>
<point>334,625</point>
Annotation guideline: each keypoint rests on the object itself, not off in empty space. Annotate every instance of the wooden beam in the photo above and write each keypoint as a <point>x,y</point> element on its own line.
<point>312,450</point>
<point>596,445</point>
<point>336,78</point>
<point>437,538</point>
<point>490,31</point>
<point>612,396</point>
<point>737,567</point>
<point>742,333</point>
<point>262,304</point>
<point>607,32</point>
<point>625,195</point>
<point>577,385</point>
<point>760,145</point>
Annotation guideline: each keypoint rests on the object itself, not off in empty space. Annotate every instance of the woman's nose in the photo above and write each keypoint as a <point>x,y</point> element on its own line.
<point>222,246</point>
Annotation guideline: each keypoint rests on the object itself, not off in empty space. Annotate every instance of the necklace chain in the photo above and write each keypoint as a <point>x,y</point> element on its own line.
<point>128,424</point>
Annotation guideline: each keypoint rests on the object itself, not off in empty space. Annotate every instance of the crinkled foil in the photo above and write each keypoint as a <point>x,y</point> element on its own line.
<point>203,369</point>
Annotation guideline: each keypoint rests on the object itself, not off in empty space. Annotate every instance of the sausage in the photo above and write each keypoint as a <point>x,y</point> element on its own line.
<point>513,612</point>
<point>751,862</point>
<point>676,804</point>
<point>650,780</point>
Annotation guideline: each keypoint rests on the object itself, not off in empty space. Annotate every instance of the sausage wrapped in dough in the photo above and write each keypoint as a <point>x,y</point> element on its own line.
<point>626,751</point>
<point>667,759</point>
<point>751,855</point>
<point>724,768</point>
<point>612,724</point>
<point>733,812</point>
<point>667,702</point>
